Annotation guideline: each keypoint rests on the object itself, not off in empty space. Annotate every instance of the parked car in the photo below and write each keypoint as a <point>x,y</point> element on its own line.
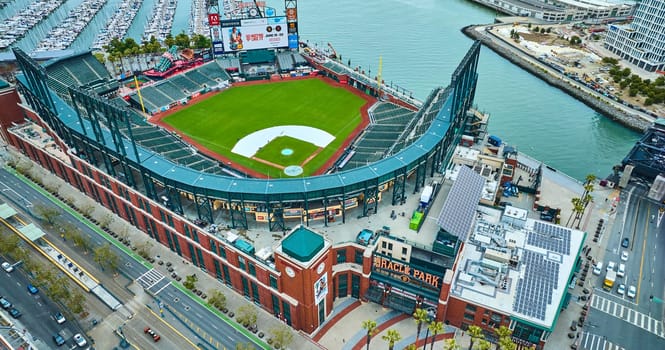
<point>625,243</point>
<point>150,332</point>
<point>622,270</point>
<point>621,289</point>
<point>80,341</point>
<point>631,292</point>
<point>598,268</point>
<point>15,313</point>
<point>59,318</point>
<point>32,289</point>
<point>58,339</point>
<point>610,266</point>
<point>7,267</point>
<point>5,303</point>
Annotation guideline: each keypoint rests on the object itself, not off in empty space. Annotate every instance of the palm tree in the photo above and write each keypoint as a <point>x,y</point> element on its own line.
<point>502,332</point>
<point>420,316</point>
<point>392,336</point>
<point>476,333</point>
<point>370,327</point>
<point>483,344</point>
<point>507,344</point>
<point>450,344</point>
<point>435,327</point>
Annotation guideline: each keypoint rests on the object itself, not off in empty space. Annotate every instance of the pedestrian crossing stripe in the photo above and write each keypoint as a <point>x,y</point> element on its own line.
<point>589,341</point>
<point>629,315</point>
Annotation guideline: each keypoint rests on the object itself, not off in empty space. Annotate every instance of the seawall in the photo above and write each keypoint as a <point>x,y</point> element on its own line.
<point>517,57</point>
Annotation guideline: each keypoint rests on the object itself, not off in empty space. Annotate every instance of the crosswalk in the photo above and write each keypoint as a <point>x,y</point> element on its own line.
<point>150,278</point>
<point>589,341</point>
<point>629,315</point>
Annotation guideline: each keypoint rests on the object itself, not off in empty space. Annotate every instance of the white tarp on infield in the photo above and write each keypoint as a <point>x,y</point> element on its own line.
<point>250,144</point>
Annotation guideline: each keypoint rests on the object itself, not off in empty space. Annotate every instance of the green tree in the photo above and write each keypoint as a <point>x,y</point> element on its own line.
<point>420,316</point>
<point>282,336</point>
<point>247,315</point>
<point>182,41</point>
<point>507,344</point>
<point>502,332</point>
<point>169,40</point>
<point>392,336</point>
<point>450,344</point>
<point>76,302</point>
<point>217,299</point>
<point>8,242</point>
<point>483,344</point>
<point>105,257</point>
<point>190,281</point>
<point>144,249</point>
<point>476,333</point>
<point>49,214</point>
<point>435,327</point>
<point>411,347</point>
<point>201,41</point>
<point>370,327</point>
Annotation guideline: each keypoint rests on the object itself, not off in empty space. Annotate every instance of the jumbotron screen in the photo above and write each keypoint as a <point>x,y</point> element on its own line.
<point>254,33</point>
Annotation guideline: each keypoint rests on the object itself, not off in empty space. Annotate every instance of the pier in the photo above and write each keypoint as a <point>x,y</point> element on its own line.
<point>63,35</point>
<point>14,28</point>
<point>118,25</point>
<point>160,23</point>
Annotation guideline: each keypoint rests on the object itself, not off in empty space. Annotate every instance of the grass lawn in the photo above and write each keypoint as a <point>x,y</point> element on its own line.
<point>273,151</point>
<point>220,121</point>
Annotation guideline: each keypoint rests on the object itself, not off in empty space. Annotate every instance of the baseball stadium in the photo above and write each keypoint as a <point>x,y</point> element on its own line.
<point>264,164</point>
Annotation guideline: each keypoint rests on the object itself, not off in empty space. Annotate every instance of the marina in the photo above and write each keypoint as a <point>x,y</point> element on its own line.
<point>160,22</point>
<point>14,28</point>
<point>198,22</point>
<point>63,35</point>
<point>118,25</point>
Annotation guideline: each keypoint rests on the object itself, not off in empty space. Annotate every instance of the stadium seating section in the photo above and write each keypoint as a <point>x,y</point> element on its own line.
<point>180,87</point>
<point>388,123</point>
<point>165,143</point>
<point>81,70</point>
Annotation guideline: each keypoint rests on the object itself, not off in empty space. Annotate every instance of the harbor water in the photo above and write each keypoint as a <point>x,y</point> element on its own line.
<point>420,44</point>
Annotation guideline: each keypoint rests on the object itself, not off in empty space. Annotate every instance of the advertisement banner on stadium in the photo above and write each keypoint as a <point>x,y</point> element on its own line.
<point>252,34</point>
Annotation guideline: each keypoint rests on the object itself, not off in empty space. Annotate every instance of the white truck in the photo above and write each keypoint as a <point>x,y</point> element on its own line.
<point>610,277</point>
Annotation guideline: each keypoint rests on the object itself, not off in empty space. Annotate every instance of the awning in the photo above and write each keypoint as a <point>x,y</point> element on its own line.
<point>32,232</point>
<point>6,211</point>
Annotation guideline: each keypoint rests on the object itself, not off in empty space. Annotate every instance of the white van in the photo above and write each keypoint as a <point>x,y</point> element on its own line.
<point>622,270</point>
<point>598,268</point>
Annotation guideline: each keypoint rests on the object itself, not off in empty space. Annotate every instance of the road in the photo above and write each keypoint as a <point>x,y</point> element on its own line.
<point>221,334</point>
<point>37,310</point>
<point>632,323</point>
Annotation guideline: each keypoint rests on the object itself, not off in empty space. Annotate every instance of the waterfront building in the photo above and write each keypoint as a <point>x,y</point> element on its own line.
<point>562,10</point>
<point>641,42</point>
<point>297,273</point>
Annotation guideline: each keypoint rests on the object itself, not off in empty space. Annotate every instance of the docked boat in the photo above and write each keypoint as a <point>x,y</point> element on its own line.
<point>14,28</point>
<point>118,25</point>
<point>64,34</point>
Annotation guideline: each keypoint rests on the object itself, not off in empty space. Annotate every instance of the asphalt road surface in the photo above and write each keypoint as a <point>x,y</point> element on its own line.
<point>26,198</point>
<point>37,310</point>
<point>632,323</point>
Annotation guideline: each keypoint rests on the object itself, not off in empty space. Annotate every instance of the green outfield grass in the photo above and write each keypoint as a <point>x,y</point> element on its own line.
<point>220,121</point>
<point>273,151</point>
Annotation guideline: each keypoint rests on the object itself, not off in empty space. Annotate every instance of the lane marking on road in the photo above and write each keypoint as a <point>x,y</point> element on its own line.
<point>644,247</point>
<point>629,315</point>
<point>172,328</point>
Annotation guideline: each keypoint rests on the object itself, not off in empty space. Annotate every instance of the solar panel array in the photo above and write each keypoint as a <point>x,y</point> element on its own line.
<point>534,291</point>
<point>459,209</point>
<point>550,237</point>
